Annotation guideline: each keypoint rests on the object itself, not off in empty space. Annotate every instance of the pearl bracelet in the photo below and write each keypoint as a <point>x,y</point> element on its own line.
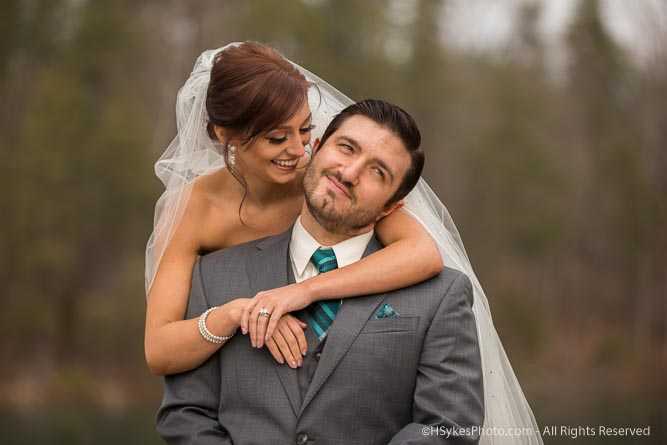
<point>208,335</point>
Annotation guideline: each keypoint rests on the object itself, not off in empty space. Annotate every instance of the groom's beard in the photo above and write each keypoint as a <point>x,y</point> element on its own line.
<point>335,214</point>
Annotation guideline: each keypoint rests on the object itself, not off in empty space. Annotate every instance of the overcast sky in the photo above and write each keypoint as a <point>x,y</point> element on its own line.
<point>488,24</point>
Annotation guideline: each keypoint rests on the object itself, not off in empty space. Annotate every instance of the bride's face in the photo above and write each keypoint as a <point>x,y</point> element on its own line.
<point>278,155</point>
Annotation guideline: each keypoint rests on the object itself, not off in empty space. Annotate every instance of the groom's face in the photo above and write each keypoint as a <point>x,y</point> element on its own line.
<point>354,174</point>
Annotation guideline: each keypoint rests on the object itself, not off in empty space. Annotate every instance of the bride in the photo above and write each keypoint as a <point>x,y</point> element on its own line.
<point>246,117</point>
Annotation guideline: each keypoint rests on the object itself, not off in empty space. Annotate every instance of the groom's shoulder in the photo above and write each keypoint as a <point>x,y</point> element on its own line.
<point>450,281</point>
<point>449,275</point>
<point>237,252</point>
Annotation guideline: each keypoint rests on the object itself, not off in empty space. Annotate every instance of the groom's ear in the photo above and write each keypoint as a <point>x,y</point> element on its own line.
<point>316,145</point>
<point>392,208</point>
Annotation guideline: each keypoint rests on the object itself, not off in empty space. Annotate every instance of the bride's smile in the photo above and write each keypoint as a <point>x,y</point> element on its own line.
<point>279,155</point>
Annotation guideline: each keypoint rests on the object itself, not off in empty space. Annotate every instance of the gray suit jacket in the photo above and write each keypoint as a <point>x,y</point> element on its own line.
<point>404,380</point>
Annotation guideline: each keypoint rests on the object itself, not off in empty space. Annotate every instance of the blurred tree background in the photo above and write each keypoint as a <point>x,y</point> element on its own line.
<point>550,152</point>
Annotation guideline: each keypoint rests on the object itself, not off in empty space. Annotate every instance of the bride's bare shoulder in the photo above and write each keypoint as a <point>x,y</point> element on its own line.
<point>214,191</point>
<point>212,197</point>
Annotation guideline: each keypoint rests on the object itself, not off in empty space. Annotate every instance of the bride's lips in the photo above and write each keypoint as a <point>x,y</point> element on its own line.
<point>285,164</point>
<point>338,186</point>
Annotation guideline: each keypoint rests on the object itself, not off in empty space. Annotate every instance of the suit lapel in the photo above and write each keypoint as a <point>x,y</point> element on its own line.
<point>268,267</point>
<point>350,319</point>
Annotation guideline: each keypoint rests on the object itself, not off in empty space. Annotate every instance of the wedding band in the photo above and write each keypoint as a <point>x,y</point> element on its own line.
<point>264,312</point>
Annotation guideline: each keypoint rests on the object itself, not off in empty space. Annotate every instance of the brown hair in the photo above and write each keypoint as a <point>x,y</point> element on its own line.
<point>252,90</point>
<point>400,123</point>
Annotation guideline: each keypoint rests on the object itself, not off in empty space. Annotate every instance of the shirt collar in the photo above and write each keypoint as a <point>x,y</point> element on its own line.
<point>303,245</point>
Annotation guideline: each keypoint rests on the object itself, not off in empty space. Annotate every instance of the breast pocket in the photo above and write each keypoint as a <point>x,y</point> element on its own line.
<point>386,347</point>
<point>387,325</point>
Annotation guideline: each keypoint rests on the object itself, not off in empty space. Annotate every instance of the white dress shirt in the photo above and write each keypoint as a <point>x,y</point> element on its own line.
<point>303,245</point>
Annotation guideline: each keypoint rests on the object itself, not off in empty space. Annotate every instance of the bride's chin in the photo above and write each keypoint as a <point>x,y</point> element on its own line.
<point>284,178</point>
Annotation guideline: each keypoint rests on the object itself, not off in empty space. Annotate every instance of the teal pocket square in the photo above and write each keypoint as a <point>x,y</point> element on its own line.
<point>386,311</point>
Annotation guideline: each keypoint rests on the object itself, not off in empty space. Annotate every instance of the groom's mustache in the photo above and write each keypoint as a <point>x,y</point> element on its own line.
<point>345,184</point>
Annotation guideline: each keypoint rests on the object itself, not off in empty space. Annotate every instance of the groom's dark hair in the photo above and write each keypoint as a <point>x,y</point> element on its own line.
<point>400,123</point>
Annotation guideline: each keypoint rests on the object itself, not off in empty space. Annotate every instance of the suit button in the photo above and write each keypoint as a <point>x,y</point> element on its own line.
<point>318,355</point>
<point>301,439</point>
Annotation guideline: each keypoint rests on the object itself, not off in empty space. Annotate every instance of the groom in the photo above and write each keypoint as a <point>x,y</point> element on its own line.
<point>401,367</point>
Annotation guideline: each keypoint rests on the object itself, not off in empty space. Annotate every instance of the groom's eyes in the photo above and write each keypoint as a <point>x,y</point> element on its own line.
<point>346,148</point>
<point>379,172</point>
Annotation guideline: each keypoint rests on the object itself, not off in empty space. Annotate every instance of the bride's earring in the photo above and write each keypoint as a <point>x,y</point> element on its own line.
<point>232,154</point>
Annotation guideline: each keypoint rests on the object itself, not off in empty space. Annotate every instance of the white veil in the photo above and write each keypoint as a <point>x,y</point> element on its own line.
<point>192,153</point>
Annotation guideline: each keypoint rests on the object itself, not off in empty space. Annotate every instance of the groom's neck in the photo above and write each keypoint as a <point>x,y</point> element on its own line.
<point>318,232</point>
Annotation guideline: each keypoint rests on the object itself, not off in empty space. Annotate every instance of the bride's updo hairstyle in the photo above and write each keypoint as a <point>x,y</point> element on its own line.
<point>252,90</point>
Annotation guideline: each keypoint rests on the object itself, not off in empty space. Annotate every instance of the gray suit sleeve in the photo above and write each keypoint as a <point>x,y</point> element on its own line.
<point>449,395</point>
<point>189,410</point>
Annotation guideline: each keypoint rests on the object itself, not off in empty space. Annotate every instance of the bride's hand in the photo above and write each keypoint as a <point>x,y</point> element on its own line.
<point>277,302</point>
<point>288,342</point>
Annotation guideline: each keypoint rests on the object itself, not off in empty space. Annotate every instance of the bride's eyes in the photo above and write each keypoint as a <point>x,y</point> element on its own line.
<point>279,140</point>
<point>307,129</point>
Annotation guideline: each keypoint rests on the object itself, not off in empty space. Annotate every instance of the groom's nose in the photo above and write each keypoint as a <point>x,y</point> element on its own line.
<point>351,172</point>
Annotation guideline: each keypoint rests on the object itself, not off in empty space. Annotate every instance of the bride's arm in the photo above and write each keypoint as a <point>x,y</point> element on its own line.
<point>172,344</point>
<point>410,257</point>
<point>175,345</point>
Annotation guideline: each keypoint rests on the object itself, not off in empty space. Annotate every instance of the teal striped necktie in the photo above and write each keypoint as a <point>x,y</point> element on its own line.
<point>321,314</point>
